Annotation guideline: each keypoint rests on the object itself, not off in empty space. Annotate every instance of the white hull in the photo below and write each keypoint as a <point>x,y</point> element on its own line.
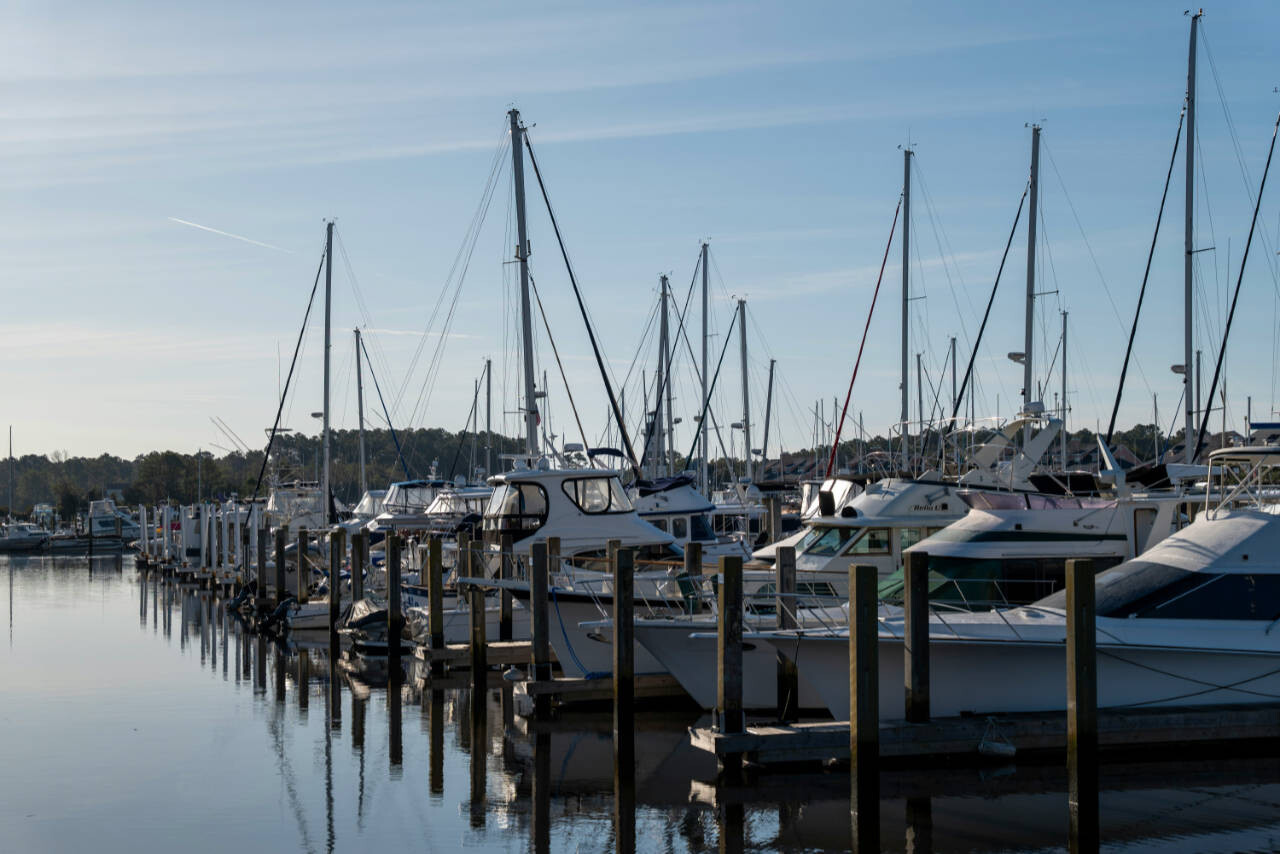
<point>991,677</point>
<point>457,623</point>
<point>692,661</point>
<point>587,651</point>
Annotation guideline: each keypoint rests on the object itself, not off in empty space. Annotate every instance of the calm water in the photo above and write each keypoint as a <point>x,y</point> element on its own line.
<point>134,716</point>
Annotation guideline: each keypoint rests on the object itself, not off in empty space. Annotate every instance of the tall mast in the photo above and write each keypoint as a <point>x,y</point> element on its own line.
<point>1187,247</point>
<point>956,446</point>
<point>364,485</point>
<point>670,458</point>
<point>1028,383</point>
<point>1063,428</point>
<point>768,415</point>
<point>10,471</point>
<point>664,381</point>
<point>746,395</point>
<point>904,385</point>
<point>488,416</point>
<point>328,309</point>
<point>526,317</point>
<point>920,411</point>
<point>704,479</point>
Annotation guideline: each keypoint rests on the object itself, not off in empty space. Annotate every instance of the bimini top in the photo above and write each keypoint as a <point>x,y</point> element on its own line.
<point>1257,455</point>
<point>412,496</point>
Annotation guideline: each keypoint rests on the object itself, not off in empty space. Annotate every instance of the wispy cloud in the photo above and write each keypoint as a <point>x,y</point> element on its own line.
<point>229,234</point>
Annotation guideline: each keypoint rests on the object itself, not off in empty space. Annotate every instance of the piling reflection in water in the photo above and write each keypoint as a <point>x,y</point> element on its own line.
<point>479,742</point>
<point>551,785</point>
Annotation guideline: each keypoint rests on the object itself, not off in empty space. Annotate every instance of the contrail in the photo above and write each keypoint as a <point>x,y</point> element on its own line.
<point>229,234</point>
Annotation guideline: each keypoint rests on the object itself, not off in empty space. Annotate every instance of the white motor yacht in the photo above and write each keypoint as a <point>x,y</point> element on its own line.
<point>22,537</point>
<point>877,525</point>
<point>1191,621</point>
<point>674,506</point>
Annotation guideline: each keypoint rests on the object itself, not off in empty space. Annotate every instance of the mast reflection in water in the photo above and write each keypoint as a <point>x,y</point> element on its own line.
<point>119,736</point>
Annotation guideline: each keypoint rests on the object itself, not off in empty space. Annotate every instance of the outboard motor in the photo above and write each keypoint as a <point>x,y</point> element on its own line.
<point>243,596</point>
<point>277,617</point>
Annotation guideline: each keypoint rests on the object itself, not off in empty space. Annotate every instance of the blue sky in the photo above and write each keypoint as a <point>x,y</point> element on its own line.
<point>772,129</point>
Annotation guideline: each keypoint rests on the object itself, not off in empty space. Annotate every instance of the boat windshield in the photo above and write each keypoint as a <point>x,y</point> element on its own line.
<point>516,508</point>
<point>1152,590</point>
<point>827,541</point>
<point>597,495</point>
<point>700,528</point>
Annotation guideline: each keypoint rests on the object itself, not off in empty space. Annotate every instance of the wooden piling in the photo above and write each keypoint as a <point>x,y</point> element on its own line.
<point>435,601</point>
<point>282,582</point>
<point>506,571</point>
<point>337,551</point>
<point>622,565</point>
<point>304,572</point>
<point>262,562</point>
<point>729,714</point>
<point>773,506</point>
<point>915,612</point>
<point>1082,705</point>
<point>864,709</point>
<point>691,588</point>
<point>864,666</point>
<point>359,558</point>
<point>479,662</point>
<point>540,624</point>
<point>786,607</point>
<point>539,594</point>
<point>395,612</point>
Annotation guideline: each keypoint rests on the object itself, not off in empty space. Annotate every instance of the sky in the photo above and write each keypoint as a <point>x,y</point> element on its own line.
<point>166,171</point>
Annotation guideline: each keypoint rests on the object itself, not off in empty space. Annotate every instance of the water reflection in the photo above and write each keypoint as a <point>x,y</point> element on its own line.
<point>129,733</point>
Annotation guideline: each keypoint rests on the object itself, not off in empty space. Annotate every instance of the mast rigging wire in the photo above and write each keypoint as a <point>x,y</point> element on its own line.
<point>582,308</point>
<point>1226,333</point>
<point>707,403</point>
<point>835,444</point>
<point>292,364</point>
<point>1133,330</point>
<point>390,426</point>
<point>559,364</point>
<point>986,315</point>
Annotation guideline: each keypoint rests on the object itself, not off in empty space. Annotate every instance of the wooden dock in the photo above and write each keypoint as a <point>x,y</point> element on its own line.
<point>457,656</point>
<point>996,736</point>
<point>563,691</point>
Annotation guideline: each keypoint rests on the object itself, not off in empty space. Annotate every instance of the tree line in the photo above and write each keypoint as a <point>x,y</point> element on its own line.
<point>69,483</point>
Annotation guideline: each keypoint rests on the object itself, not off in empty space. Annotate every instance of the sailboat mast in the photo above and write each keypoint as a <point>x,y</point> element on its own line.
<point>664,381</point>
<point>328,309</point>
<point>1187,236</point>
<point>704,478</point>
<point>1063,428</point>
<point>746,393</point>
<point>670,457</point>
<point>364,485</point>
<point>522,256</point>
<point>1028,383</point>
<point>904,384</point>
<point>768,415</point>
<point>488,417</point>
<point>10,471</point>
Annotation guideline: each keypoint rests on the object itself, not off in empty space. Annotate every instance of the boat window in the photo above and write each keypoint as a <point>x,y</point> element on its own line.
<point>829,541</point>
<point>987,582</point>
<point>809,594</point>
<point>517,509</point>
<point>679,527</point>
<point>874,542</point>
<point>908,537</point>
<point>660,524</point>
<point>597,494</point>
<point>1204,596</point>
<point>700,528</point>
